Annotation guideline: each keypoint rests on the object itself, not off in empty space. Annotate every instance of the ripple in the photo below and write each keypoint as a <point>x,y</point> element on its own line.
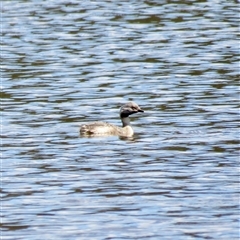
<point>65,63</point>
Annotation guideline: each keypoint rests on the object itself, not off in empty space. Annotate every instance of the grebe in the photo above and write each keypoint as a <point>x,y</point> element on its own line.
<point>103,128</point>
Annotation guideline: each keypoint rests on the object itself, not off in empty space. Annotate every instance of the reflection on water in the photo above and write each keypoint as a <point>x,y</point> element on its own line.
<point>66,63</point>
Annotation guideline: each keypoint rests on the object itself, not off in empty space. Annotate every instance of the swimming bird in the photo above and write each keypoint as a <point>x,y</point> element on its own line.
<point>104,128</point>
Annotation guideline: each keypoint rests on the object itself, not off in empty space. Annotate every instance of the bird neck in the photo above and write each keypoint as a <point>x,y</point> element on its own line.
<point>125,121</point>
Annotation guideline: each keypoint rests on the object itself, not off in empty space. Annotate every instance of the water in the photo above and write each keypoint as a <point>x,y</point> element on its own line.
<point>70,62</point>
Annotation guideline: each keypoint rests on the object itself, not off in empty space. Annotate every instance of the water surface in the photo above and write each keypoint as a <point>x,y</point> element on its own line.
<point>66,63</point>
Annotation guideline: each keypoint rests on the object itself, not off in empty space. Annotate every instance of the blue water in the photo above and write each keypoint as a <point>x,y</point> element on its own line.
<point>66,63</point>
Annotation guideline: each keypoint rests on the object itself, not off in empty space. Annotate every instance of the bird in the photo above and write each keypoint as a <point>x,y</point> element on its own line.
<point>104,128</point>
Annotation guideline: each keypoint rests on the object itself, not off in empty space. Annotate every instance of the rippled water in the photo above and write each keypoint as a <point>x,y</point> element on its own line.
<point>70,62</point>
